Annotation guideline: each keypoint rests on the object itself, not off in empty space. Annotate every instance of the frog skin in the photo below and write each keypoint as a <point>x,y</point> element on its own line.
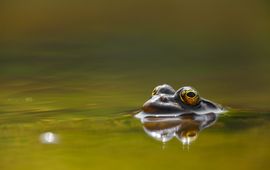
<point>185,100</point>
<point>163,89</point>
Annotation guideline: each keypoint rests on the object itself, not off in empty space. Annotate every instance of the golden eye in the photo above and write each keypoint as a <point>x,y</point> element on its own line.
<point>154,92</point>
<point>190,96</point>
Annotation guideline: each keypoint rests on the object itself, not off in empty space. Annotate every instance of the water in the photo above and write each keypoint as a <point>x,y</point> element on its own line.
<point>74,74</point>
<point>97,130</point>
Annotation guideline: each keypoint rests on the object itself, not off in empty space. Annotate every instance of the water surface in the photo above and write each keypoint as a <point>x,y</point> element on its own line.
<point>97,130</point>
<point>78,72</point>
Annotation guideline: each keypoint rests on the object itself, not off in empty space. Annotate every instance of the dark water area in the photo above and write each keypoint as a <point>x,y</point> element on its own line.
<point>74,74</point>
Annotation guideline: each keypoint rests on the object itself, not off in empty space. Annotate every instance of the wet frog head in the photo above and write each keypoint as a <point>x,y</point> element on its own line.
<point>165,100</point>
<point>163,89</point>
<point>189,99</point>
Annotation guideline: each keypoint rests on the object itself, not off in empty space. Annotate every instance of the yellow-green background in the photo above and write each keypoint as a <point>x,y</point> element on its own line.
<point>80,68</point>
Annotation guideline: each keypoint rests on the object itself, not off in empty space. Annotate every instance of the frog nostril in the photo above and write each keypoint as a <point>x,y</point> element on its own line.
<point>191,94</point>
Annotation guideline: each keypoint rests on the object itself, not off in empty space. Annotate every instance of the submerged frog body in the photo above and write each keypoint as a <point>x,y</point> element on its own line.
<point>165,100</point>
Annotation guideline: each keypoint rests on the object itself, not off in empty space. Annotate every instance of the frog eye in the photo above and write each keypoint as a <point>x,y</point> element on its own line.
<point>189,96</point>
<point>154,92</point>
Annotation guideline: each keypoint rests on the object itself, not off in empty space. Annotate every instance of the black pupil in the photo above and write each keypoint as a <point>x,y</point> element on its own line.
<point>191,94</point>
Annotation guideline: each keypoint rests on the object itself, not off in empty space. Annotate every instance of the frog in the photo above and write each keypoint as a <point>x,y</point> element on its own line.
<point>186,100</point>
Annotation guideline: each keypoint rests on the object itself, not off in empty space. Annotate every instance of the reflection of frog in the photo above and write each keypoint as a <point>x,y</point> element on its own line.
<point>185,127</point>
<point>166,100</point>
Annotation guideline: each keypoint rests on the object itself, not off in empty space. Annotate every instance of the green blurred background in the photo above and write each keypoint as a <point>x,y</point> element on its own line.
<point>65,61</point>
<point>220,47</point>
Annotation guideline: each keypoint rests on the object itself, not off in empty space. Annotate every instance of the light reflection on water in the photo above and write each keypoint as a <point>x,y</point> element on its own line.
<point>185,128</point>
<point>49,138</point>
